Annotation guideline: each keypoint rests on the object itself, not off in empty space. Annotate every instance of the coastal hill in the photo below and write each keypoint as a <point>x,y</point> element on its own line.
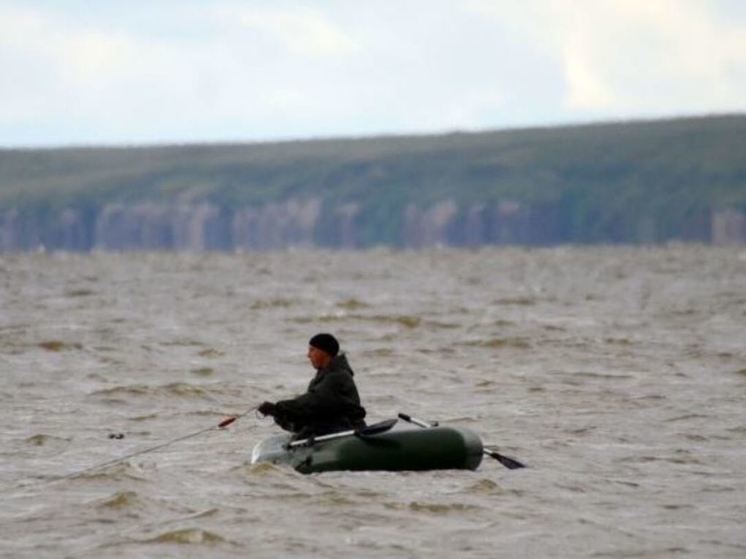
<point>624,182</point>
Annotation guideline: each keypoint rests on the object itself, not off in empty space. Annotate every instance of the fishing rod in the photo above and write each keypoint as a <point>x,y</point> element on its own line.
<point>222,425</point>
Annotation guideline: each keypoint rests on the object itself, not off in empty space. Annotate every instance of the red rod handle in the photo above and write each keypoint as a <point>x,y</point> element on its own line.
<point>227,422</point>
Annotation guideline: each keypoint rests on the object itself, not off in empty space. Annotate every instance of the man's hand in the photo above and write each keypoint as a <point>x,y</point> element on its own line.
<point>267,408</point>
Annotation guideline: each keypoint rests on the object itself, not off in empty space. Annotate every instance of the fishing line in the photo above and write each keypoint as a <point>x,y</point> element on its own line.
<point>222,425</point>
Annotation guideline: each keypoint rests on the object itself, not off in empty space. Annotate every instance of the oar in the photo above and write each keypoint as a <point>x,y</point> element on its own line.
<point>510,463</point>
<point>506,461</point>
<point>364,432</point>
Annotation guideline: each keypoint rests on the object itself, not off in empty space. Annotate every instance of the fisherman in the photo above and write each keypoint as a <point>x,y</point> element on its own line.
<point>330,404</point>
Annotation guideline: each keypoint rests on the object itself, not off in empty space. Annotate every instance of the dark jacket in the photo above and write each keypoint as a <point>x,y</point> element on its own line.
<point>330,404</point>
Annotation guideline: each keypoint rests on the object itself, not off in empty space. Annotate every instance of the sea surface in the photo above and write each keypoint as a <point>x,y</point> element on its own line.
<point>618,375</point>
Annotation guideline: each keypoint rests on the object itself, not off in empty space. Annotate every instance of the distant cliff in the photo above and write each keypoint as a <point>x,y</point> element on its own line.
<point>637,182</point>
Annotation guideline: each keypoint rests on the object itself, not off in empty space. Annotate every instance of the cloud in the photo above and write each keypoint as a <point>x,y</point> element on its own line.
<point>258,72</point>
<point>112,81</point>
<point>301,31</point>
<point>586,88</point>
<point>57,69</point>
<point>637,56</point>
<point>227,70</point>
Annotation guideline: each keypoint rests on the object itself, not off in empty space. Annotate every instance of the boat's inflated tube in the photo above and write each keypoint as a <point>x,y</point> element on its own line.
<point>436,448</point>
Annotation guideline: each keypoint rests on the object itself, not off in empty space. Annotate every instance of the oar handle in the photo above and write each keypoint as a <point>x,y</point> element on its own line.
<point>419,422</point>
<point>310,441</point>
<point>364,432</point>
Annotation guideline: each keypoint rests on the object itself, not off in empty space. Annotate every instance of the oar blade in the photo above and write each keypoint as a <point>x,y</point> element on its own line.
<point>506,461</point>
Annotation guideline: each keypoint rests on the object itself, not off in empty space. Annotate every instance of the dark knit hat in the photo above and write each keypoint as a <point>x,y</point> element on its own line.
<point>325,342</point>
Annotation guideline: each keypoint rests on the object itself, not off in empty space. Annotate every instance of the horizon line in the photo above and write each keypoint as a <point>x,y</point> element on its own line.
<point>114,145</point>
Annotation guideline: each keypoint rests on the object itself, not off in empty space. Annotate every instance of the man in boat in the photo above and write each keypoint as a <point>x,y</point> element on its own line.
<point>330,404</point>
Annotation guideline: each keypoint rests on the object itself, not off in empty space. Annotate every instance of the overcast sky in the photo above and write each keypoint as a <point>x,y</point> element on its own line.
<point>124,72</point>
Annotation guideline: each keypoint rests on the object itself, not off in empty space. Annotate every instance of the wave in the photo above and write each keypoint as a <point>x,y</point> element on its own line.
<point>518,301</point>
<point>188,536</point>
<point>601,376</point>
<point>352,304</point>
<point>58,345</point>
<point>484,487</point>
<point>43,440</point>
<point>122,470</point>
<point>434,508</point>
<point>687,417</point>
<point>277,303</point>
<point>146,417</point>
<point>408,321</point>
<point>80,293</point>
<point>498,343</point>
<point>262,469</point>
<point>120,500</point>
<point>174,389</point>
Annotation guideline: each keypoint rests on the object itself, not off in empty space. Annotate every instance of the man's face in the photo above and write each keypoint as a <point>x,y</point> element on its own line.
<point>318,358</point>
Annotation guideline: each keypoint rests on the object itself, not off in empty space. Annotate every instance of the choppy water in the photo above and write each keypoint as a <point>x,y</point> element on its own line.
<point>618,375</point>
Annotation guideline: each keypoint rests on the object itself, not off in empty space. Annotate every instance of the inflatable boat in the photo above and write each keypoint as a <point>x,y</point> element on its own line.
<point>388,445</point>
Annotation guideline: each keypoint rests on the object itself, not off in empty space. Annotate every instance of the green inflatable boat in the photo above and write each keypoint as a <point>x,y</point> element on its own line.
<point>383,446</point>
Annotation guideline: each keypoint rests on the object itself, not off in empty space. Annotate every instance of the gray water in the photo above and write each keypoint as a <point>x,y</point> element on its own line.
<point>617,374</point>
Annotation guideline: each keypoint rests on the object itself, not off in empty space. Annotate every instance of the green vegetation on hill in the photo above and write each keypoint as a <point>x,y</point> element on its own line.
<point>614,182</point>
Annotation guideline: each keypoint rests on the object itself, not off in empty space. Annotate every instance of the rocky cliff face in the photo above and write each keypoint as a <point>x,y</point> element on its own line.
<point>306,223</point>
<point>728,228</point>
